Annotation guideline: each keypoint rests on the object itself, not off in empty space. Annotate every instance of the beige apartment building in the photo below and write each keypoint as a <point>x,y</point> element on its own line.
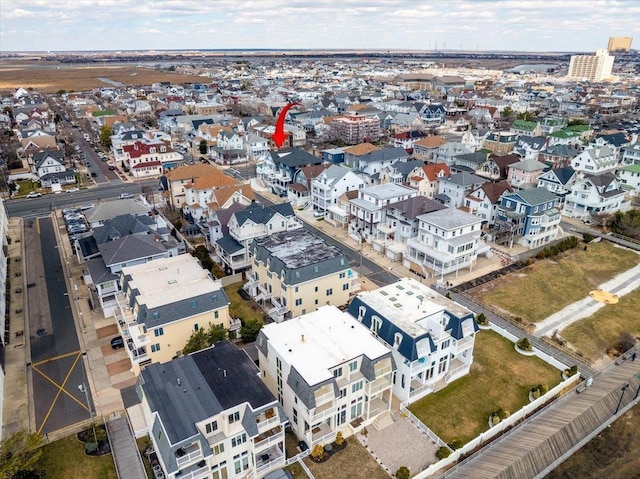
<point>619,44</point>
<point>295,272</point>
<point>162,303</point>
<point>591,67</point>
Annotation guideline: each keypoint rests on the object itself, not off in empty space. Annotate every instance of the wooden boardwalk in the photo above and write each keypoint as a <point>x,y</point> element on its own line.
<point>539,444</point>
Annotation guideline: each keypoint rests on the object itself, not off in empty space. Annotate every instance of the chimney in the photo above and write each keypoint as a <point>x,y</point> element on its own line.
<point>303,338</point>
<point>178,380</point>
<point>224,373</point>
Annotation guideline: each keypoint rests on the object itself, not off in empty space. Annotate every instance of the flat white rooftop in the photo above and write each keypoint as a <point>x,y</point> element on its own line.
<point>168,280</point>
<point>407,302</point>
<point>316,342</point>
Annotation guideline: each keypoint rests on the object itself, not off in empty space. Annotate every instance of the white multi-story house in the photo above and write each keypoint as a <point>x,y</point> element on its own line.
<point>558,181</point>
<point>447,152</point>
<point>367,210</point>
<point>209,415</point>
<point>483,202</point>
<point>593,194</point>
<point>630,178</point>
<point>430,336</point>
<point>401,224</point>
<point>149,157</point>
<point>256,147</point>
<point>332,183</point>
<point>255,221</point>
<point>448,241</point>
<point>631,154</point>
<point>594,161</point>
<point>452,190</point>
<point>328,372</point>
<point>374,161</point>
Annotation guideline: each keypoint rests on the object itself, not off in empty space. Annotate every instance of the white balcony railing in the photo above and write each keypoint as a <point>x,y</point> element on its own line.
<point>277,438</point>
<point>189,457</point>
<point>199,473</point>
<point>323,398</point>
<point>324,414</point>
<point>268,423</point>
<point>273,463</point>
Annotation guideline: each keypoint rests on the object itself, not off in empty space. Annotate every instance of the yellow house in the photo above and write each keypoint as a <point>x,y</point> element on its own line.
<point>295,272</point>
<point>162,303</point>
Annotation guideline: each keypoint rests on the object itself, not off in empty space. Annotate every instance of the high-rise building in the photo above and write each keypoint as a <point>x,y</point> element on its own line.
<point>591,67</point>
<point>619,44</point>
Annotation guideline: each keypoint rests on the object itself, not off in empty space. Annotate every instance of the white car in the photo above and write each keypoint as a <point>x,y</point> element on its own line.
<point>73,190</point>
<point>34,194</point>
<point>126,195</point>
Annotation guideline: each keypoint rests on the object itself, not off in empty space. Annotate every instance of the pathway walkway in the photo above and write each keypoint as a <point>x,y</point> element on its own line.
<point>622,284</point>
<point>125,451</point>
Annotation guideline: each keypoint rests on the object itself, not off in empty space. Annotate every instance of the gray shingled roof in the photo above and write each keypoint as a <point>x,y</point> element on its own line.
<point>99,272</point>
<point>229,245</point>
<point>192,388</point>
<point>129,248</point>
<point>121,226</point>
<point>261,214</point>
<point>107,210</point>
<point>465,179</point>
<point>294,158</point>
<point>536,196</point>
<point>385,154</point>
<point>300,255</point>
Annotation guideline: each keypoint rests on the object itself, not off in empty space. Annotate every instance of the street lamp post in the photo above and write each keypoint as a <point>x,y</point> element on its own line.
<point>623,389</point>
<point>84,389</point>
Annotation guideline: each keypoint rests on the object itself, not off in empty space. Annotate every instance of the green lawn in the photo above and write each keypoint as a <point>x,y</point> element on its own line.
<point>499,377</point>
<point>65,458</point>
<point>242,308</point>
<point>547,286</point>
<point>592,336</point>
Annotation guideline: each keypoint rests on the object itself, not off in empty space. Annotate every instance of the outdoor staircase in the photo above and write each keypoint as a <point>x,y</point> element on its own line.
<point>382,421</point>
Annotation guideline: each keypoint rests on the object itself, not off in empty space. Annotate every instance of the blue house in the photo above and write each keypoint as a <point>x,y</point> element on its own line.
<point>430,336</point>
<point>529,217</point>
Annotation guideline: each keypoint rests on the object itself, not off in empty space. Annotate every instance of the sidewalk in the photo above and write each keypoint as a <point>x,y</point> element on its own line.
<point>622,284</point>
<point>16,414</point>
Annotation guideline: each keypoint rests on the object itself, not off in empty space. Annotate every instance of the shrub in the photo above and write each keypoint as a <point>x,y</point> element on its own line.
<point>571,371</point>
<point>500,414</point>
<point>318,452</point>
<point>482,319</point>
<point>443,453</point>
<point>538,390</point>
<point>456,444</point>
<point>587,237</point>
<point>339,438</point>
<point>403,472</point>
<point>524,345</point>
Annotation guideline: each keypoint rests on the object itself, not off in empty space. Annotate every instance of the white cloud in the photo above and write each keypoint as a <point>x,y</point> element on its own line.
<point>377,24</point>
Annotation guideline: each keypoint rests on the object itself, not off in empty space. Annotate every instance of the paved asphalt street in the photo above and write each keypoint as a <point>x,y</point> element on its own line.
<point>56,359</point>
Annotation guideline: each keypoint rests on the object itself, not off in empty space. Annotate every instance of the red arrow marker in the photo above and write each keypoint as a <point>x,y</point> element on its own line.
<point>279,136</point>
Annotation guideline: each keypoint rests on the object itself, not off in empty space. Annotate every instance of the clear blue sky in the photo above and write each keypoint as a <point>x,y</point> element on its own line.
<point>530,25</point>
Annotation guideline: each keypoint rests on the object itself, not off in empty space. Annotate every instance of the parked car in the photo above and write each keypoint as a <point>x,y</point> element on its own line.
<point>126,195</point>
<point>88,206</point>
<point>318,214</point>
<point>73,190</point>
<point>93,174</point>
<point>111,167</point>
<point>34,194</point>
<point>117,342</point>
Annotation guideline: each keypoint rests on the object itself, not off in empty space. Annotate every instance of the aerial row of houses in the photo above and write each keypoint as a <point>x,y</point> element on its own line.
<point>330,362</point>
